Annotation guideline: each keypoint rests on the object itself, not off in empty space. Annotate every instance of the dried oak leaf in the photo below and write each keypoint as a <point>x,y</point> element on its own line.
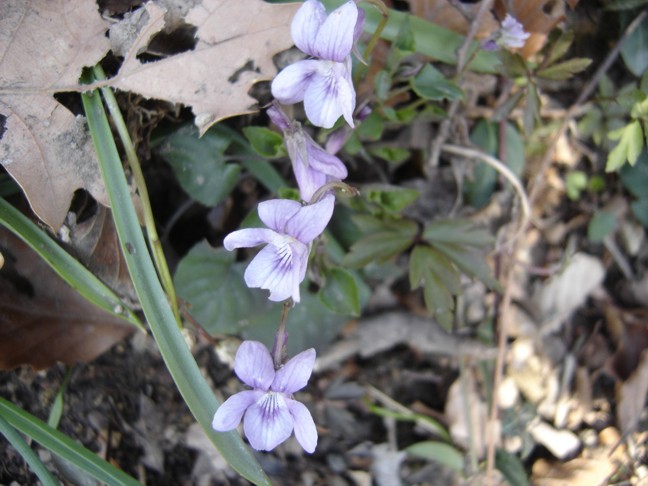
<point>444,13</point>
<point>44,44</point>
<point>236,42</point>
<point>96,244</point>
<point>42,319</point>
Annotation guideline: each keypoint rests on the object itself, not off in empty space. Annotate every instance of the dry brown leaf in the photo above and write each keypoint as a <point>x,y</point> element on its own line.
<point>443,13</point>
<point>43,44</point>
<point>230,56</point>
<point>42,319</point>
<point>631,396</point>
<point>96,245</point>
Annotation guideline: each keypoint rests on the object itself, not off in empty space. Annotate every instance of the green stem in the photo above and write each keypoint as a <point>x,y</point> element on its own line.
<point>140,182</point>
<point>28,454</point>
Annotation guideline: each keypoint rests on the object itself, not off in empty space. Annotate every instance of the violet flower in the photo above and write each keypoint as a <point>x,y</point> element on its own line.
<point>312,165</point>
<point>281,265</point>
<point>324,84</point>
<point>511,36</point>
<point>268,411</point>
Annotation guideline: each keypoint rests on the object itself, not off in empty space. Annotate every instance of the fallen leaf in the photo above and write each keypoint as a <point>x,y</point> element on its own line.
<point>467,415</point>
<point>42,319</point>
<point>43,47</point>
<point>442,12</point>
<point>96,245</point>
<point>230,56</point>
<point>565,292</point>
<point>631,396</point>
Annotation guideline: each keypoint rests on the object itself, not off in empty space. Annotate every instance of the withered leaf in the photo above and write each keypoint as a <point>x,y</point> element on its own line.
<point>44,44</point>
<point>236,42</point>
<point>42,319</point>
<point>96,245</point>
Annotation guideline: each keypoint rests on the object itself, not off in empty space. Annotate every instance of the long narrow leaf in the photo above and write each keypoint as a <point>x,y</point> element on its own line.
<point>68,268</point>
<point>61,445</point>
<point>26,452</point>
<point>178,358</point>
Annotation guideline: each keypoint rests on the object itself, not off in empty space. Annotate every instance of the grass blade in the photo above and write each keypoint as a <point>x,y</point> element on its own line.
<point>178,358</point>
<point>63,446</point>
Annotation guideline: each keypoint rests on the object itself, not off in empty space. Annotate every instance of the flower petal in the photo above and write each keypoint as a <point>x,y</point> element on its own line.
<point>231,411</point>
<point>305,430</point>
<point>322,161</point>
<point>308,180</point>
<point>290,84</point>
<point>305,25</point>
<point>253,365</point>
<point>311,220</point>
<point>275,213</point>
<point>329,95</point>
<point>294,375</point>
<point>335,37</point>
<point>268,422</point>
<point>277,270</point>
<point>247,238</point>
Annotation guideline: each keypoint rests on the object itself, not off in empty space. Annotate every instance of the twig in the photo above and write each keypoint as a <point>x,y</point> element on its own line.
<point>508,175</point>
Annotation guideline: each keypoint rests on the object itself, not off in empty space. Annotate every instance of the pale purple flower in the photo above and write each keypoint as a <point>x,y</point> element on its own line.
<point>269,413</point>
<point>513,35</point>
<point>281,265</point>
<point>324,83</point>
<point>312,165</point>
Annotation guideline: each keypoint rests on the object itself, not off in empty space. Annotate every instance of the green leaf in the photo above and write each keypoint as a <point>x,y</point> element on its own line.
<point>428,38</point>
<point>640,210</point>
<point>382,84</point>
<point>439,452</point>
<point>633,50</point>
<point>394,155</point>
<point>629,146</point>
<point>564,70</point>
<point>340,293</point>
<point>470,262</point>
<point>559,46</point>
<point>381,246</point>
<point>199,163</point>
<point>265,142</point>
<point>601,225</point>
<point>635,178</point>
<point>575,182</point>
<point>392,199</point>
<point>440,280</point>
<point>27,453</point>
<point>371,127</point>
<point>212,282</point>
<point>531,109</point>
<point>458,231</point>
<point>511,468</point>
<point>407,416</point>
<point>430,84</point>
<point>165,329</point>
<point>63,446</point>
<point>512,65</point>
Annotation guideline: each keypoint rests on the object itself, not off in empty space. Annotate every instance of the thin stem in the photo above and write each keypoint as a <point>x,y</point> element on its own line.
<point>381,25</point>
<point>499,166</point>
<point>140,182</point>
<point>281,338</point>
